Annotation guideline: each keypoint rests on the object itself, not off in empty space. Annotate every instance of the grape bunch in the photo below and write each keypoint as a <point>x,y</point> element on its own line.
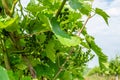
<point>64,14</point>
<point>5,33</point>
<point>31,43</point>
<point>81,57</point>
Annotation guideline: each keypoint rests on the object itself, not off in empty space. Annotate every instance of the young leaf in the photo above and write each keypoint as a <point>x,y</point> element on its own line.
<point>86,9</point>
<point>34,8</point>
<point>41,25</point>
<point>63,37</point>
<point>103,14</point>
<point>50,51</point>
<point>8,23</point>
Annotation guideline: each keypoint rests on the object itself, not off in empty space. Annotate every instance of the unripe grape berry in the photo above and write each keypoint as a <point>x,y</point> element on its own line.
<point>66,9</point>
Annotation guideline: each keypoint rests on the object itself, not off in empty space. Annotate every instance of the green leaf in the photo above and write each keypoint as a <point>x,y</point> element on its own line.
<point>14,26</point>
<point>85,45</point>
<point>41,25</point>
<point>63,37</point>
<point>75,17</point>
<point>26,78</point>
<point>43,70</point>
<point>3,74</point>
<point>67,76</point>
<point>50,51</point>
<point>34,8</point>
<point>47,2</point>
<point>86,8</point>
<point>44,19</point>
<point>41,38</point>
<point>75,4</point>
<point>102,57</point>
<point>2,25</point>
<point>8,23</point>
<point>103,14</point>
<point>11,75</point>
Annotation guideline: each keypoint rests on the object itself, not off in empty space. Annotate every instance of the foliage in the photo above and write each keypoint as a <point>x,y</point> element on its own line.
<point>114,66</point>
<point>95,70</point>
<point>45,41</point>
<point>112,70</point>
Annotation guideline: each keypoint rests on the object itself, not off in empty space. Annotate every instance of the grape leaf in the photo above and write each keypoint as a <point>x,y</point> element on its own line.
<point>67,76</point>
<point>8,23</point>
<point>41,25</point>
<point>50,51</point>
<point>43,70</point>
<point>102,57</point>
<point>63,37</point>
<point>86,8</point>
<point>103,14</point>
<point>75,4</point>
<point>26,78</point>
<point>85,45</point>
<point>34,8</point>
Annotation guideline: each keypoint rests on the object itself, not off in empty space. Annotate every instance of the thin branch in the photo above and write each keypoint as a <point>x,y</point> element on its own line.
<point>14,40</point>
<point>80,31</point>
<point>6,60</point>
<point>5,6</point>
<point>60,9</point>
<point>62,66</point>
<point>30,67</point>
<point>13,7</point>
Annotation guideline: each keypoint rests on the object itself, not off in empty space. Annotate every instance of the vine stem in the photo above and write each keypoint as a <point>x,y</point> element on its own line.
<point>80,31</point>
<point>30,67</point>
<point>29,35</point>
<point>62,66</point>
<point>6,60</point>
<point>61,7</point>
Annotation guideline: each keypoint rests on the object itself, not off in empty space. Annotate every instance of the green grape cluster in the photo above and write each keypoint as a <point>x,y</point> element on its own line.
<point>5,33</point>
<point>31,43</point>
<point>64,14</point>
<point>81,57</point>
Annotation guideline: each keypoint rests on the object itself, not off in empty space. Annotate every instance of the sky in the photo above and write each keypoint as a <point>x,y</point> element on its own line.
<point>107,37</point>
